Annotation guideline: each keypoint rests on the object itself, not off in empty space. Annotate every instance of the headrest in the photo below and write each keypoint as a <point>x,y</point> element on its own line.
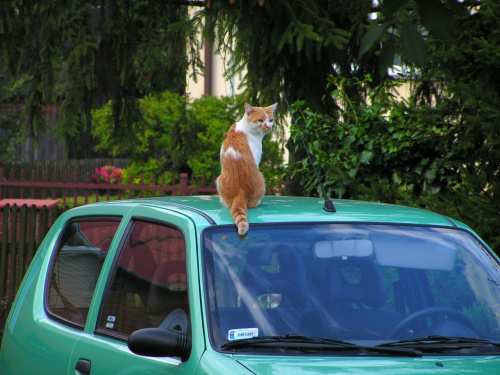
<point>139,260</point>
<point>168,288</point>
<point>354,280</point>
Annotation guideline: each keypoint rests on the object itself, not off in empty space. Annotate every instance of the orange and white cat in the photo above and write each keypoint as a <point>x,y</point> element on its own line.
<point>241,185</point>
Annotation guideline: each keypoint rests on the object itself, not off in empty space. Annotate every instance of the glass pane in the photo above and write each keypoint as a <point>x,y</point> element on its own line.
<point>149,288</point>
<point>76,268</point>
<point>360,283</point>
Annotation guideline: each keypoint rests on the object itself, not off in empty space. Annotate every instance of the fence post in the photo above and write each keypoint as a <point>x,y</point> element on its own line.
<point>184,184</point>
<point>4,252</point>
<point>21,245</point>
<point>32,230</point>
<point>11,292</point>
<point>3,187</point>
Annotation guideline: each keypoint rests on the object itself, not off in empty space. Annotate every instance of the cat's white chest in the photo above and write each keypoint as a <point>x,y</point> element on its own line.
<point>254,141</point>
<point>255,144</point>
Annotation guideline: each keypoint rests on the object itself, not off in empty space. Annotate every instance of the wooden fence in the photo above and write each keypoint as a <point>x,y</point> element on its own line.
<point>22,231</point>
<point>59,167</point>
<point>68,188</point>
<point>23,228</point>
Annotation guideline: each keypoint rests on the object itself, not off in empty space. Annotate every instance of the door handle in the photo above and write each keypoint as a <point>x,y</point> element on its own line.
<point>83,366</point>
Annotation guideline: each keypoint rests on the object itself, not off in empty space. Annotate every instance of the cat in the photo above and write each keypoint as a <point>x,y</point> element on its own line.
<point>241,184</point>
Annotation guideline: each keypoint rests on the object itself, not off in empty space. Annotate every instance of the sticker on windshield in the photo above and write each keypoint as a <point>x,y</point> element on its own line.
<point>242,333</point>
<point>111,322</point>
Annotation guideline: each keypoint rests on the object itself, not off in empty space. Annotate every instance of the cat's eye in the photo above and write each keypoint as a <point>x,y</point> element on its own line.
<point>260,120</point>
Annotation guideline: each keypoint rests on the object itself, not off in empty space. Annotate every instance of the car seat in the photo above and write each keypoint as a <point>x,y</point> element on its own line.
<point>168,305</point>
<point>353,295</point>
<point>128,298</point>
<point>274,282</point>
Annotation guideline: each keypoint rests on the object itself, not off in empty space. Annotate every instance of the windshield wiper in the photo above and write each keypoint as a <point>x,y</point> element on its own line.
<point>442,343</point>
<point>288,340</point>
<point>313,344</point>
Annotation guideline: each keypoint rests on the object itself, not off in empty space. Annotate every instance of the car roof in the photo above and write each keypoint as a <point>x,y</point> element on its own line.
<point>280,209</point>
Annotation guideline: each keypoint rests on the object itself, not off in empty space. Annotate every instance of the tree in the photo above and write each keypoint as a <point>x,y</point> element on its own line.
<point>401,27</point>
<point>440,150</point>
<point>463,78</point>
<point>294,45</point>
<point>287,46</point>
<point>84,53</point>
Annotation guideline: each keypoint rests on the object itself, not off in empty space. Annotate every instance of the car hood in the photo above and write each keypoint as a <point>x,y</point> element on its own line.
<point>370,365</point>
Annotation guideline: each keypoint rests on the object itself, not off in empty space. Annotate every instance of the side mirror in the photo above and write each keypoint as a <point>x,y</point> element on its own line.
<point>159,342</point>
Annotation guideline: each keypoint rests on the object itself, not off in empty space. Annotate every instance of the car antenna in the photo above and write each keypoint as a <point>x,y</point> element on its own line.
<point>329,206</point>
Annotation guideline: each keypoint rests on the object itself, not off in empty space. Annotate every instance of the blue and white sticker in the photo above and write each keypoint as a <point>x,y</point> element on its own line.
<point>242,333</point>
<point>111,322</point>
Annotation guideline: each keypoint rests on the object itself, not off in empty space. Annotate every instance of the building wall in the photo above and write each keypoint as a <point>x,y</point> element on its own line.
<point>218,83</point>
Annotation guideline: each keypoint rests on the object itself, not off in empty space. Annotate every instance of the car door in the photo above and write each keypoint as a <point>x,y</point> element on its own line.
<point>149,284</point>
<point>53,302</point>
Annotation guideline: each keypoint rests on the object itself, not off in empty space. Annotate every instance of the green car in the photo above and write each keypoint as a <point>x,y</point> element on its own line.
<point>166,286</point>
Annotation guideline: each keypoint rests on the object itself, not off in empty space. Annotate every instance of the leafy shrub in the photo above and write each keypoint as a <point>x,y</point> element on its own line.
<point>108,175</point>
<point>179,134</point>
<point>153,137</point>
<point>383,142</point>
<point>214,117</point>
<point>386,149</point>
<point>145,173</point>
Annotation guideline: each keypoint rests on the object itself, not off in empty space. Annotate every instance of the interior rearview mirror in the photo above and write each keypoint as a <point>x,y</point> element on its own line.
<point>343,248</point>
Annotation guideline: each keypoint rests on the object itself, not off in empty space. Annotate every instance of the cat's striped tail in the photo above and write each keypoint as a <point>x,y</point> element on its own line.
<point>239,214</point>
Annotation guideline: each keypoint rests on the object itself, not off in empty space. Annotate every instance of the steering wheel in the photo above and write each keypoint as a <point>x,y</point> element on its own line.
<point>434,311</point>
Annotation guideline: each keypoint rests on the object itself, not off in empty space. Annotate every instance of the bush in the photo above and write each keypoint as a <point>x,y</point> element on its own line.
<point>392,151</point>
<point>179,134</point>
<point>146,173</point>
<point>384,142</point>
<point>108,175</point>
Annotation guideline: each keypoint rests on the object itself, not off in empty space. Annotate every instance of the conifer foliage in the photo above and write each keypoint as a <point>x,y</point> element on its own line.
<point>83,53</point>
<point>295,45</point>
<point>282,45</point>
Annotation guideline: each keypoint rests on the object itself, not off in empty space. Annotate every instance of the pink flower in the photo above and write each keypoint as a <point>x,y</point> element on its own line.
<point>108,174</point>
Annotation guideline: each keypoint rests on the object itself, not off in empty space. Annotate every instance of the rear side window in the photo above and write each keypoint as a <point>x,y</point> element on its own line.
<point>76,266</point>
<point>149,286</point>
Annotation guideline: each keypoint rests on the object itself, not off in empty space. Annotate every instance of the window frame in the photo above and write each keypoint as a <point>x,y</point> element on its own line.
<point>103,331</point>
<point>55,252</point>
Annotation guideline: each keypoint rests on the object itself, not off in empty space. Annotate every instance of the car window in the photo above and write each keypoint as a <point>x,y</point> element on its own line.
<point>149,286</point>
<point>76,267</point>
<point>360,283</point>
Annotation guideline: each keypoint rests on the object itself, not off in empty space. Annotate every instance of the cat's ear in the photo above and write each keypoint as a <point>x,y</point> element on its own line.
<point>273,107</point>
<point>248,109</point>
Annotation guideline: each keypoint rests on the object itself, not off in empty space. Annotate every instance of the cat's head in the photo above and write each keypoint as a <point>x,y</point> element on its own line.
<point>260,119</point>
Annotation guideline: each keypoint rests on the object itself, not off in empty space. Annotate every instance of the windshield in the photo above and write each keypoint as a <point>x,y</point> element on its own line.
<point>364,284</point>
